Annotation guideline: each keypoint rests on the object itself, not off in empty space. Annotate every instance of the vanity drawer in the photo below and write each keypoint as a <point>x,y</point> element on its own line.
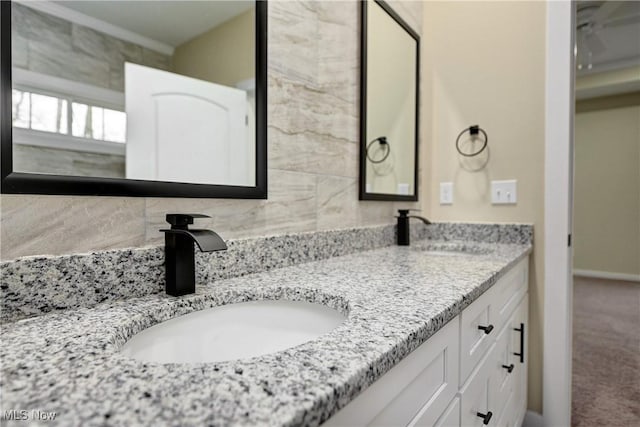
<point>423,383</point>
<point>508,418</point>
<point>474,341</point>
<point>509,291</point>
<point>475,395</point>
<point>450,418</point>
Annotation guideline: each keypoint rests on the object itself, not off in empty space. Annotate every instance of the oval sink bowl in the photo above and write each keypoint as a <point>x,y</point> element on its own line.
<point>234,331</point>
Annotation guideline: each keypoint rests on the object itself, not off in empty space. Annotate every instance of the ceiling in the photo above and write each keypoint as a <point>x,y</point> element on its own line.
<point>169,22</point>
<point>607,35</point>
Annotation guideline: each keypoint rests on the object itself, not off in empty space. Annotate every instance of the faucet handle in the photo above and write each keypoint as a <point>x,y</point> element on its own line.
<point>182,221</point>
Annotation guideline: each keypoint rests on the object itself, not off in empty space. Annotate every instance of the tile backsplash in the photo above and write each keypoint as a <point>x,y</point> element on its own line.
<point>32,286</point>
<point>313,120</point>
<point>37,285</point>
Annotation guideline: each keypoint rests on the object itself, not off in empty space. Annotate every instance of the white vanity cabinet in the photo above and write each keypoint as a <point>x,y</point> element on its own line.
<point>494,392</point>
<point>470,373</point>
<point>414,392</point>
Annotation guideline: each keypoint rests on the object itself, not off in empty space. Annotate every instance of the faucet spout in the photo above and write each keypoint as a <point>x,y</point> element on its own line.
<point>180,274</point>
<point>207,240</point>
<point>425,220</point>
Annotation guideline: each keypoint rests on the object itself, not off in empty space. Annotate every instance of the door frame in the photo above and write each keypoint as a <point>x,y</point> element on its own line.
<point>558,201</point>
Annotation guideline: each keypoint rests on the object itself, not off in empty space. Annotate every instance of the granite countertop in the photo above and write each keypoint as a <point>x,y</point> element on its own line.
<point>395,299</point>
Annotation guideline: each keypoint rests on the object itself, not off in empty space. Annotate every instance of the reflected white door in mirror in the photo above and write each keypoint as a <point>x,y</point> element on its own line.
<point>186,130</point>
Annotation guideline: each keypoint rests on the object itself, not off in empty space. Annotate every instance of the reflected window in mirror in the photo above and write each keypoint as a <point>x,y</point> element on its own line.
<point>389,105</point>
<point>158,91</point>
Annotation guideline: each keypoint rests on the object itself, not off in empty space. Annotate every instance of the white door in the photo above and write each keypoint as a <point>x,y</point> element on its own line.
<point>183,129</point>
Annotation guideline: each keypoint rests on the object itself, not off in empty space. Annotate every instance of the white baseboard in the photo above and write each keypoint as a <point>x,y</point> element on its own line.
<point>607,275</point>
<point>532,419</point>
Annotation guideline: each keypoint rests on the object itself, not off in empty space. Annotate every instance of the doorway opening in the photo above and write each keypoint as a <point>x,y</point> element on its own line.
<point>606,215</point>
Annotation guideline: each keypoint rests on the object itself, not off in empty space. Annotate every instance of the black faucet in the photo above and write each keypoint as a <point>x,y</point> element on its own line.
<point>179,252</point>
<point>403,225</point>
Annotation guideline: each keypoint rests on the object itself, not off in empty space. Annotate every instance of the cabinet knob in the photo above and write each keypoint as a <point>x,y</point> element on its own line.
<point>487,329</point>
<point>485,417</point>
<point>509,368</point>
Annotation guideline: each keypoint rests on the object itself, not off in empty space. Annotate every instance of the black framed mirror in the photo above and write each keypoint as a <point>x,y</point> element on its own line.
<point>389,100</point>
<point>134,98</point>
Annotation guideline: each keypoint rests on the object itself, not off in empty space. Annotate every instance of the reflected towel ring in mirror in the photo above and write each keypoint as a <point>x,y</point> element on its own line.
<point>473,131</point>
<point>385,168</point>
<point>383,143</point>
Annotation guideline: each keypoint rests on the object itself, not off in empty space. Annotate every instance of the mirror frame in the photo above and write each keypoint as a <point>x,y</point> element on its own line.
<point>364,195</point>
<point>30,183</point>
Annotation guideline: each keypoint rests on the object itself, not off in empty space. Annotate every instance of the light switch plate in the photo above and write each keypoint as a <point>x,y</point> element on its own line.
<point>504,192</point>
<point>446,193</point>
<point>403,189</point>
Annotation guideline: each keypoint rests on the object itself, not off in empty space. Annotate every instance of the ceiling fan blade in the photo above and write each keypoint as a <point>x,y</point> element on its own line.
<point>596,44</point>
<point>604,11</point>
<point>623,20</point>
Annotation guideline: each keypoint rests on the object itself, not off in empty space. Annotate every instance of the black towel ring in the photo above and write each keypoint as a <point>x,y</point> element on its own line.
<point>383,142</point>
<point>473,130</point>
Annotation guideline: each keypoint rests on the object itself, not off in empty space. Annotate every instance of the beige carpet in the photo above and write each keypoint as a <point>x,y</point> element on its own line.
<point>606,353</point>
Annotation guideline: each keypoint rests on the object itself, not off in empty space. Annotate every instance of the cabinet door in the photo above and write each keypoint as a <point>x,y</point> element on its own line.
<point>503,381</point>
<point>519,342</point>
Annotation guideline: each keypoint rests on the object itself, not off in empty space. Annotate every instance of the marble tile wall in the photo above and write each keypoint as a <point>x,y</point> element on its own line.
<point>50,45</point>
<point>33,159</point>
<point>313,114</point>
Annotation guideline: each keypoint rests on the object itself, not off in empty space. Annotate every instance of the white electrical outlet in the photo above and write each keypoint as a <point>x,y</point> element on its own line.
<point>403,189</point>
<point>504,192</point>
<point>446,193</point>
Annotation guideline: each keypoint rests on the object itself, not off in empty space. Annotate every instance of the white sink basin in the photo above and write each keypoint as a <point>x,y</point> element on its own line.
<point>235,331</point>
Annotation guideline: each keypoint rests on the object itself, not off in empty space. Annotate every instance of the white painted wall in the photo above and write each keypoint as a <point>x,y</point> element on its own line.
<point>607,191</point>
<point>483,63</point>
